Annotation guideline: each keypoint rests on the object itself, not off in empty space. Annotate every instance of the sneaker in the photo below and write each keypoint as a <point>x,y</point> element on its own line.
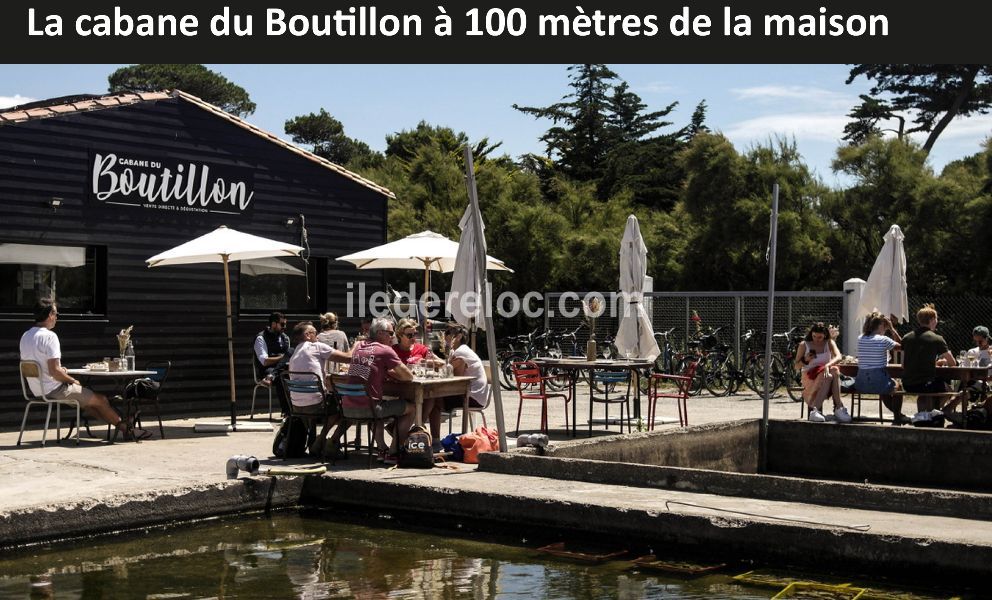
<point>816,416</point>
<point>842,415</point>
<point>920,417</point>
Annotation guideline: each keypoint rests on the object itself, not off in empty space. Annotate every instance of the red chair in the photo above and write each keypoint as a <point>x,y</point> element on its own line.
<point>683,388</point>
<point>530,386</point>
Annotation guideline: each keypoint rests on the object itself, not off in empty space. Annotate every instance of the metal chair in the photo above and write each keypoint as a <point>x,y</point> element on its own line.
<point>530,385</point>
<point>355,398</point>
<point>31,369</point>
<point>608,380</point>
<point>683,389</point>
<point>305,382</point>
<point>472,410</point>
<point>136,392</point>
<point>258,384</point>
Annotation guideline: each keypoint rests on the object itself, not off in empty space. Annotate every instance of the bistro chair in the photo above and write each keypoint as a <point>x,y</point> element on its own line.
<point>473,410</point>
<point>530,385</point>
<point>32,370</point>
<point>683,389</point>
<point>258,384</point>
<point>305,382</point>
<point>361,408</point>
<point>609,381</point>
<point>149,389</point>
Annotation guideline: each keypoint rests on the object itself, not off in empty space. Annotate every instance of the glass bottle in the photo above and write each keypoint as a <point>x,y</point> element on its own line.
<point>129,356</point>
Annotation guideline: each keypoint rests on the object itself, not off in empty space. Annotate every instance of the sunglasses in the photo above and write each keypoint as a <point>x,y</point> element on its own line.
<point>409,336</point>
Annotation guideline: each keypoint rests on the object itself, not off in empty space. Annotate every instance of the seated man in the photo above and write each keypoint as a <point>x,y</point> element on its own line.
<point>976,389</point>
<point>980,335</point>
<point>310,356</point>
<point>41,345</point>
<point>372,360</point>
<point>922,349</point>
<point>271,344</point>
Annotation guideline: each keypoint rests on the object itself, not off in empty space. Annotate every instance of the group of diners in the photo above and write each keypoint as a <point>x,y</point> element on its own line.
<point>385,350</point>
<point>923,351</point>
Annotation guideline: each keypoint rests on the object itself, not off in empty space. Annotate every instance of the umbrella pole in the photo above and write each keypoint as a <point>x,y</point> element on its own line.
<point>230,343</point>
<point>490,331</point>
<point>772,249</point>
<point>427,288</point>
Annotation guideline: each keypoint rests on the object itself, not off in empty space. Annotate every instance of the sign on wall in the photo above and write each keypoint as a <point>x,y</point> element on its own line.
<point>126,180</point>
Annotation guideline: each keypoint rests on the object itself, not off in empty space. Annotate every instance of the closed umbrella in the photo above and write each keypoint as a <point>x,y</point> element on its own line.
<point>635,335</point>
<point>465,278</point>
<point>885,290</point>
<point>224,245</point>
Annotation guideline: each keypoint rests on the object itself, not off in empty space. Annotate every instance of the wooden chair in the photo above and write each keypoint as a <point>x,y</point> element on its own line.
<point>32,370</point>
<point>608,380</point>
<point>258,384</point>
<point>530,385</point>
<point>683,389</point>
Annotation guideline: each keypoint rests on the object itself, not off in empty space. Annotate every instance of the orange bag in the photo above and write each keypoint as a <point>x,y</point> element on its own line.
<point>478,441</point>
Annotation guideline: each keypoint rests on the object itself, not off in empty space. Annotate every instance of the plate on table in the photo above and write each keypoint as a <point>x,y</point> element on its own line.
<point>100,366</point>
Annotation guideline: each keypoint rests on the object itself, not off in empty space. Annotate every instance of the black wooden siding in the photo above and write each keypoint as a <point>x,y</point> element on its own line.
<point>177,312</point>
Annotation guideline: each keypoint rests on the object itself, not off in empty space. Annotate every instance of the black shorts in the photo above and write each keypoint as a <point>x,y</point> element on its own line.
<point>932,386</point>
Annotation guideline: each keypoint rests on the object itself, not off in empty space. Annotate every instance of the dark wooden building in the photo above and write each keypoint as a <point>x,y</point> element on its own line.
<point>90,187</point>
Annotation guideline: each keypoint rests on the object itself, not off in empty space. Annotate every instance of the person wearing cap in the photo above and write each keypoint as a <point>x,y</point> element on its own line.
<point>976,388</point>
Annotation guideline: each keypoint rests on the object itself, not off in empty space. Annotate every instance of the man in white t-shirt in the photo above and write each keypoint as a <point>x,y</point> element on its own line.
<point>41,345</point>
<point>981,336</point>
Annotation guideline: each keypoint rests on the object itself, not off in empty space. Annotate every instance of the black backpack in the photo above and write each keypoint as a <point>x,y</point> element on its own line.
<point>417,452</point>
<point>291,442</point>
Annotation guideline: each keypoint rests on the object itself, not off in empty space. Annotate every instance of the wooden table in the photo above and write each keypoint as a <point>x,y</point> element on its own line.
<point>574,366</point>
<point>421,389</point>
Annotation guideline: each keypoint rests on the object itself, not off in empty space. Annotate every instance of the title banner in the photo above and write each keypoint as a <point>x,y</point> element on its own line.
<point>485,32</point>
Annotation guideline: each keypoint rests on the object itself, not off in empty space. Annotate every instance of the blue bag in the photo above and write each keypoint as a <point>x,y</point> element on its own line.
<point>450,444</point>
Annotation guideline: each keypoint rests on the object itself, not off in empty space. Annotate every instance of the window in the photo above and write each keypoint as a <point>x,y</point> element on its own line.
<point>71,274</point>
<point>283,284</point>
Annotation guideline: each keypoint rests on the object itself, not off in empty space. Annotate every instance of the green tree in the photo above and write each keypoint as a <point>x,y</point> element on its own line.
<point>697,123</point>
<point>627,120</point>
<point>936,94</point>
<point>405,144</point>
<point>326,138</point>
<point>867,117</point>
<point>193,79</point>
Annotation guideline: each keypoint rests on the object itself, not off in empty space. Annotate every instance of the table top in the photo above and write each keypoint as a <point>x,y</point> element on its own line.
<point>897,369</point>
<point>422,381</point>
<point>89,373</point>
<point>582,363</point>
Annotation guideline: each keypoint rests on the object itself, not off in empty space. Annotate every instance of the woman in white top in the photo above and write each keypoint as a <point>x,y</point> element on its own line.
<point>817,357</point>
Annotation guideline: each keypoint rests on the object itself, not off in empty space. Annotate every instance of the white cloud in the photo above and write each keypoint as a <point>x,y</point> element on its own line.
<point>810,97</point>
<point>818,126</point>
<point>15,100</point>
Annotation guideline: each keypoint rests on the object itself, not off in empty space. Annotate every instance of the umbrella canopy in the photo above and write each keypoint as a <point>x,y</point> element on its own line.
<point>885,290</point>
<point>635,334</point>
<point>224,245</point>
<point>424,250</point>
<point>269,266</point>
<point>465,279</point>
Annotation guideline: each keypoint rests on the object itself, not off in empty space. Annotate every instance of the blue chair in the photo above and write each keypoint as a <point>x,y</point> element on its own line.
<point>609,381</point>
<point>358,408</point>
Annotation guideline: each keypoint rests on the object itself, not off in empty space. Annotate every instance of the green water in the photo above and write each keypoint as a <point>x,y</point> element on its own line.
<point>294,555</point>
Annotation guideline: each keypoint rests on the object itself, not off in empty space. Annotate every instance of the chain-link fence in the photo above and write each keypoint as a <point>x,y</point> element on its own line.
<point>735,312</point>
<point>957,316</point>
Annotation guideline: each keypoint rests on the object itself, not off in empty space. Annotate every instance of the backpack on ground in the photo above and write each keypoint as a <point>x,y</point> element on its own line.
<point>417,452</point>
<point>291,442</point>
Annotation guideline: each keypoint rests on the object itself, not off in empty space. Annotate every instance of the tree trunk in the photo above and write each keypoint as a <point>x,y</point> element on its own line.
<point>967,84</point>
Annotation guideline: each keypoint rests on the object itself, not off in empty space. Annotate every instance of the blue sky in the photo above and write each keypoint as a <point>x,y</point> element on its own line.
<point>748,103</point>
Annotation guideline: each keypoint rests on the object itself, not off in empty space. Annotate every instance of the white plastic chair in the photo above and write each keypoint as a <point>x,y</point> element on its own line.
<point>258,384</point>
<point>31,369</point>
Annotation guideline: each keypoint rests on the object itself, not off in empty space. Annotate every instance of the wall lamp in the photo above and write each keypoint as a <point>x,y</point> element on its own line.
<point>290,222</point>
<point>55,203</point>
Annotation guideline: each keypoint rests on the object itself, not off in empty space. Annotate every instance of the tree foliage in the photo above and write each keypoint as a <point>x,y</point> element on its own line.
<point>194,79</point>
<point>935,94</point>
<point>326,138</point>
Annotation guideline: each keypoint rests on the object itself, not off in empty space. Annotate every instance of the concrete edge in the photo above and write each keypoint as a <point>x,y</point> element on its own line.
<point>727,537</point>
<point>628,439</point>
<point>918,501</point>
<point>56,522</point>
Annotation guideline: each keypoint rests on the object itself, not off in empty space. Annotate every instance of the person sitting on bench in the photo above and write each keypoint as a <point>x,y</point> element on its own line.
<point>877,339</point>
<point>923,349</point>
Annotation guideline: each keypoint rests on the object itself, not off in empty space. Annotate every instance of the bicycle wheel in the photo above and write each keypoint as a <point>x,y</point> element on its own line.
<point>506,361</point>
<point>793,382</point>
<point>719,373</point>
<point>697,381</point>
<point>755,377</point>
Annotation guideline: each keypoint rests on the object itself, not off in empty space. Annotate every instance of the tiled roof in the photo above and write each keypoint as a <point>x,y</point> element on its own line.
<point>19,116</point>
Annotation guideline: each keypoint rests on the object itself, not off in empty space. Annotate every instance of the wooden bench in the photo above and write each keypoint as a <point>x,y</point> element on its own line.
<point>856,398</point>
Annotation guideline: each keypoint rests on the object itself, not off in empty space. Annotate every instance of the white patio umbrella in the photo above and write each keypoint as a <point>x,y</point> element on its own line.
<point>426,250</point>
<point>269,266</point>
<point>465,278</point>
<point>635,334</point>
<point>224,245</point>
<point>885,290</point>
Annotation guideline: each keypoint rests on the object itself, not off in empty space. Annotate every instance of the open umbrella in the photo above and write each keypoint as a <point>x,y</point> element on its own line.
<point>224,245</point>
<point>635,335</point>
<point>269,266</point>
<point>885,290</point>
<point>425,250</point>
